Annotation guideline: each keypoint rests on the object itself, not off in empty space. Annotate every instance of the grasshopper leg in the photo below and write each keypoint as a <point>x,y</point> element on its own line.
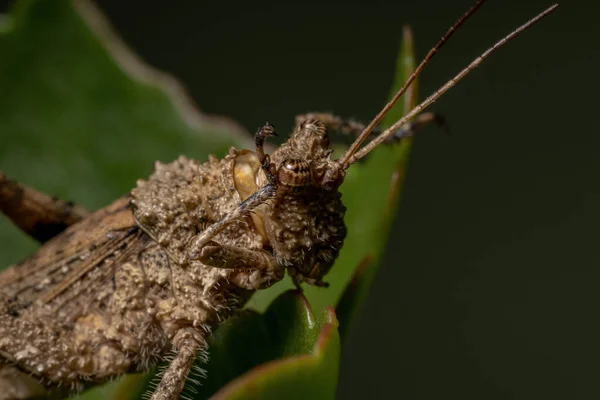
<point>188,342</point>
<point>251,269</point>
<point>267,130</point>
<point>351,129</point>
<point>245,208</point>
<point>35,213</point>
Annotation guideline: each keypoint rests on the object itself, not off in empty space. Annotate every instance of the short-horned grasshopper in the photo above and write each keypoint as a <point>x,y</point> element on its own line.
<point>114,291</point>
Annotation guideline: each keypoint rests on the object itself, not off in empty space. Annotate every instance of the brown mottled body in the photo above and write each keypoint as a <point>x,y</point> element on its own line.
<point>121,288</point>
<point>82,307</point>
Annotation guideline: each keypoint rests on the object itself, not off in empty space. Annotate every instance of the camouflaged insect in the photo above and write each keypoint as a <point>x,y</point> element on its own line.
<point>148,277</point>
<point>154,272</point>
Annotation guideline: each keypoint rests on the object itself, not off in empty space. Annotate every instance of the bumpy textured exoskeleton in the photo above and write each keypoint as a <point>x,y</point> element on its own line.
<point>148,277</point>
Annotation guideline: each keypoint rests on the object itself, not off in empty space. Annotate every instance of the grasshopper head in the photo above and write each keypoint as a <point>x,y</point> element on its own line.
<point>303,224</point>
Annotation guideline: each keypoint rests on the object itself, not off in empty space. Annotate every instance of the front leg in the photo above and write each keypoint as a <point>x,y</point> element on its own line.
<point>267,130</point>
<point>188,342</point>
<point>245,208</point>
<point>253,269</point>
<point>35,213</point>
<point>351,129</point>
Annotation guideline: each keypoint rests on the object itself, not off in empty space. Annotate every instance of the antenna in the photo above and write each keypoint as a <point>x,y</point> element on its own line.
<point>353,154</point>
<point>369,128</point>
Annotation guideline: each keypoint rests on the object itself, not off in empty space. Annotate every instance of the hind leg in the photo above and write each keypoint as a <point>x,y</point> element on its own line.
<point>188,343</point>
<point>35,213</point>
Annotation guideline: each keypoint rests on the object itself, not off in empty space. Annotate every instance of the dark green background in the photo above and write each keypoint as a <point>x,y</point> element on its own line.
<point>490,285</point>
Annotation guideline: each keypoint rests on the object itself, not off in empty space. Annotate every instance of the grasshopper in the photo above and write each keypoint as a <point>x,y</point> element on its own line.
<point>148,277</point>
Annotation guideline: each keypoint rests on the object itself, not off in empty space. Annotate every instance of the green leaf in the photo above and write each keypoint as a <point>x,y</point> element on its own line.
<point>381,183</point>
<point>286,329</point>
<point>81,118</point>
<point>304,355</point>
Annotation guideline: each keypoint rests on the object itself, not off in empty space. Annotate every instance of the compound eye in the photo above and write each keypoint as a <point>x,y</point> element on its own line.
<point>295,174</point>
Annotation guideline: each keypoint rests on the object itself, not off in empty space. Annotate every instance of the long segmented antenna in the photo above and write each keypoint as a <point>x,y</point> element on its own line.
<point>353,154</point>
<point>369,128</point>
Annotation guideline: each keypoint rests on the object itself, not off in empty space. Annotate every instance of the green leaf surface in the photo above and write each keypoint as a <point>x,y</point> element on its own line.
<point>305,362</point>
<point>382,178</point>
<point>81,118</point>
<point>287,328</point>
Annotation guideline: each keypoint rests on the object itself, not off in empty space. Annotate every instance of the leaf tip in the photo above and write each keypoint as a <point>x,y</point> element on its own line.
<point>407,33</point>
